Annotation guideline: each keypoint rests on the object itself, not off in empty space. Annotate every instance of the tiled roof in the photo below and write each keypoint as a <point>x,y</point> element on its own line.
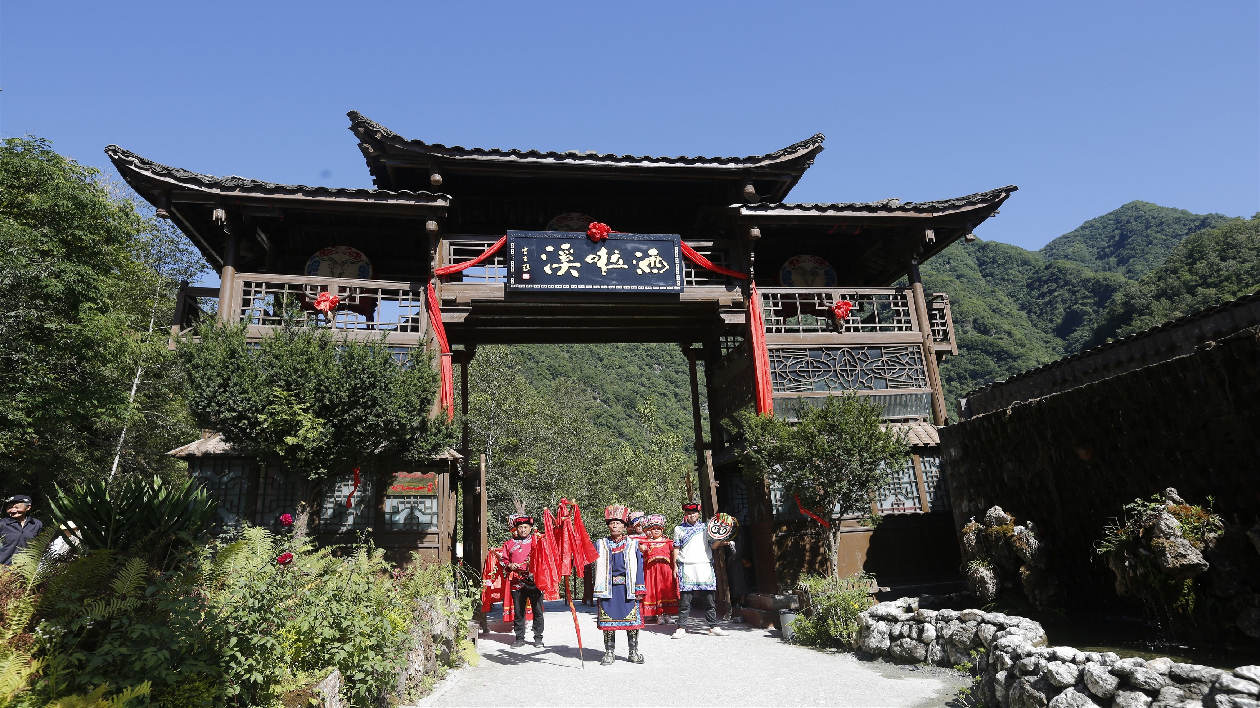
<point>882,206</point>
<point>918,434</point>
<point>364,128</point>
<point>128,162</point>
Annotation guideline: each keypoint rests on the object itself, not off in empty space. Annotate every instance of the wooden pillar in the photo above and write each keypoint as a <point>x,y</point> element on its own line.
<point>227,308</point>
<point>921,484</point>
<point>929,349</point>
<point>474,537</point>
<point>761,518</point>
<point>697,426</point>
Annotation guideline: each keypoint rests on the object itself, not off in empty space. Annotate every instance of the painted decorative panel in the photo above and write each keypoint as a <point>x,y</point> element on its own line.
<point>804,369</point>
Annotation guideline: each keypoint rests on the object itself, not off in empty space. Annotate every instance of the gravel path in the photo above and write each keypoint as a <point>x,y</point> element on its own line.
<point>751,667</point>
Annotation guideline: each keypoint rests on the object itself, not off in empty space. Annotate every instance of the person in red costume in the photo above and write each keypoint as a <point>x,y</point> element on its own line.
<point>661,601</point>
<point>527,564</point>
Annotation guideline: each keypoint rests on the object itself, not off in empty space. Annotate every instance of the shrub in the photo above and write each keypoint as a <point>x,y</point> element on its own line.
<point>830,618</point>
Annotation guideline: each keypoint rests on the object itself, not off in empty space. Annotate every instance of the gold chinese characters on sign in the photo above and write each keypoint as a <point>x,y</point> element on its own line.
<point>542,260</point>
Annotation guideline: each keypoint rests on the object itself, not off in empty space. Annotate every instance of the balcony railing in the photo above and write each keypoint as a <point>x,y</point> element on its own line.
<point>366,308</point>
<point>796,311</point>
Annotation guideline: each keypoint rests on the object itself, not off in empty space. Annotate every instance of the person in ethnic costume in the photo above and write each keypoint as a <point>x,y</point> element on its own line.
<point>619,586</point>
<point>527,565</point>
<point>636,530</point>
<point>661,600</point>
<point>693,558</point>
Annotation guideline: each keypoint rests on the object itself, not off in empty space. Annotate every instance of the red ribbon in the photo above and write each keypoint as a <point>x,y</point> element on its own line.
<point>446,389</point>
<point>810,514</point>
<point>353,489</point>
<point>447,270</point>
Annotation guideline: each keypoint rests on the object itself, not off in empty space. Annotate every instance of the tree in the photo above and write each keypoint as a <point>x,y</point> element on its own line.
<point>835,458</point>
<point>315,404</point>
<point>86,289</point>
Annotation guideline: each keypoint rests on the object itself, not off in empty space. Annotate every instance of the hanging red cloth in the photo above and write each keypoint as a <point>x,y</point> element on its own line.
<point>542,565</point>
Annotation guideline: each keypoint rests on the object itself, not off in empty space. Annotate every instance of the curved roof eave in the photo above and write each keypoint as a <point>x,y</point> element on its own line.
<point>144,174</point>
<point>885,207</point>
<point>375,139</point>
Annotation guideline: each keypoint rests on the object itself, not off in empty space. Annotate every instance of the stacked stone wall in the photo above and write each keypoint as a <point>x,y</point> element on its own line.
<point>1071,460</point>
<point>1017,669</point>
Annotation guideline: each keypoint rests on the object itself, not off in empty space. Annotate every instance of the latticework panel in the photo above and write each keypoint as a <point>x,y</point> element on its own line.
<point>227,481</point>
<point>901,494</point>
<point>730,382</point>
<point>336,517</point>
<point>803,369</point>
<point>934,484</point>
<point>374,308</point>
<point>279,494</point>
<point>938,315</point>
<point>805,311</point>
<point>411,513</point>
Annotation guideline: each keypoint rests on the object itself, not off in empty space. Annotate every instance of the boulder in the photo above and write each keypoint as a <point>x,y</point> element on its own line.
<point>1131,699</point>
<point>1100,681</point>
<point>1124,667</point>
<point>936,654</point>
<point>1030,666</point>
<point>1028,547</point>
<point>996,517</point>
<point>1146,680</point>
<point>922,615</point>
<point>1062,674</point>
<point>985,634</point>
<point>1030,692</point>
<point>1231,700</point>
<point>907,649</point>
<point>1013,644</point>
<point>874,639</point>
<point>1160,666</point>
<point>971,540</point>
<point>1195,673</point>
<point>1174,555</point>
<point>1170,696</point>
<point>1250,673</point>
<point>1071,698</point>
<point>1068,654</point>
<point>1229,683</point>
<point>1172,497</point>
<point>926,633</point>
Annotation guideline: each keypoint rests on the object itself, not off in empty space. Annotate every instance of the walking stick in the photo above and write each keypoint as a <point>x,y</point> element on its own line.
<point>576,628</point>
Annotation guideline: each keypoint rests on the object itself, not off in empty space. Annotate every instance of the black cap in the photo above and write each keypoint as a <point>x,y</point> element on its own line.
<point>19,498</point>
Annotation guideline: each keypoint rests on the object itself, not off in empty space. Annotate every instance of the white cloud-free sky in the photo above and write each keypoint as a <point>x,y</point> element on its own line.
<point>1084,105</point>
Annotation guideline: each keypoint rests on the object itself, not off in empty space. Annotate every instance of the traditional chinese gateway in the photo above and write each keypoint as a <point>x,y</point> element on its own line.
<point>394,256</point>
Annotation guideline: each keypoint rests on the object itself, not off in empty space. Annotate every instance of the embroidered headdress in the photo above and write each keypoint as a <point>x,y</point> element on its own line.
<point>654,521</point>
<point>636,517</point>
<point>518,519</point>
<point>617,512</point>
<point>691,507</point>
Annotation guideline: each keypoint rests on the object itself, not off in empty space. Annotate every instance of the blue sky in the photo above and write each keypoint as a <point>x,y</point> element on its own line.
<point>1085,105</point>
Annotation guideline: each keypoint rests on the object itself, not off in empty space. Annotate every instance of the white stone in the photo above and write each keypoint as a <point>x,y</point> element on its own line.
<point>1100,681</point>
<point>986,633</point>
<point>1232,684</point>
<point>1131,699</point>
<point>1148,680</point>
<point>927,633</point>
<point>1062,674</point>
<point>925,616</point>
<point>1160,665</point>
<point>1071,698</point>
<point>874,639</point>
<point>907,649</point>
<point>1251,673</point>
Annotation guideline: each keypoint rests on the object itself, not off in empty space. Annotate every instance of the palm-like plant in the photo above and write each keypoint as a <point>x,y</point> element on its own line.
<point>149,518</point>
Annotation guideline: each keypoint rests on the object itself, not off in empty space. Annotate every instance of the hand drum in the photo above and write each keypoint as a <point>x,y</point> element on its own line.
<point>723,527</point>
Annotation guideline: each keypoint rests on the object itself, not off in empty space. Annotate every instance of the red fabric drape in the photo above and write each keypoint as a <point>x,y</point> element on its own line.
<point>764,392</point>
<point>446,390</point>
<point>810,514</point>
<point>447,270</point>
<point>542,565</point>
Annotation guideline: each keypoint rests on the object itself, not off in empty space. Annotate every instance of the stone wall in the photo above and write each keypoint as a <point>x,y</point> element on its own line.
<point>1016,668</point>
<point>1071,460</point>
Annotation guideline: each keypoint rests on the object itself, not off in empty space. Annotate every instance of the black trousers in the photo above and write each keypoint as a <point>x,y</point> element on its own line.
<point>535,599</point>
<point>708,603</point>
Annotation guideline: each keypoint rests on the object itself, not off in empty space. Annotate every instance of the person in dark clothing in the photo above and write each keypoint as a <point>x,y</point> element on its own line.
<point>17,528</point>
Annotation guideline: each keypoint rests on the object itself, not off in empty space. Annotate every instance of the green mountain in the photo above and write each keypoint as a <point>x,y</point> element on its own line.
<point>1014,309</point>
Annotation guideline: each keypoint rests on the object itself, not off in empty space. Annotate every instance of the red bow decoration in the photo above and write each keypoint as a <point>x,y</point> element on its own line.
<point>810,514</point>
<point>841,311</point>
<point>597,232</point>
<point>326,302</point>
<point>353,489</point>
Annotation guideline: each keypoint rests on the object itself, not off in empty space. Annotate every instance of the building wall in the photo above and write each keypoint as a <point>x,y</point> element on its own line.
<point>1069,461</point>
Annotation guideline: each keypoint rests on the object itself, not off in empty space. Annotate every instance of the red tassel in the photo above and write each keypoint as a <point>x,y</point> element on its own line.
<point>355,488</point>
<point>810,514</point>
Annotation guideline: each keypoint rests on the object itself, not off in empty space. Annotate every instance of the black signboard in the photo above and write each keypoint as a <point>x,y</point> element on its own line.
<point>543,261</point>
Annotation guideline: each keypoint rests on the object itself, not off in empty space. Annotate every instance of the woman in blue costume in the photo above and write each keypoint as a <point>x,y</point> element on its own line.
<point>619,586</point>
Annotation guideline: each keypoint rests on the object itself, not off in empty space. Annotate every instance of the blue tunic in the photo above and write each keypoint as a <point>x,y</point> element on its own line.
<point>617,611</point>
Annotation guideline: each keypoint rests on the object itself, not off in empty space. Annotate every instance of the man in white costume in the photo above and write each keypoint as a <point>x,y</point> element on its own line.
<point>693,564</point>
